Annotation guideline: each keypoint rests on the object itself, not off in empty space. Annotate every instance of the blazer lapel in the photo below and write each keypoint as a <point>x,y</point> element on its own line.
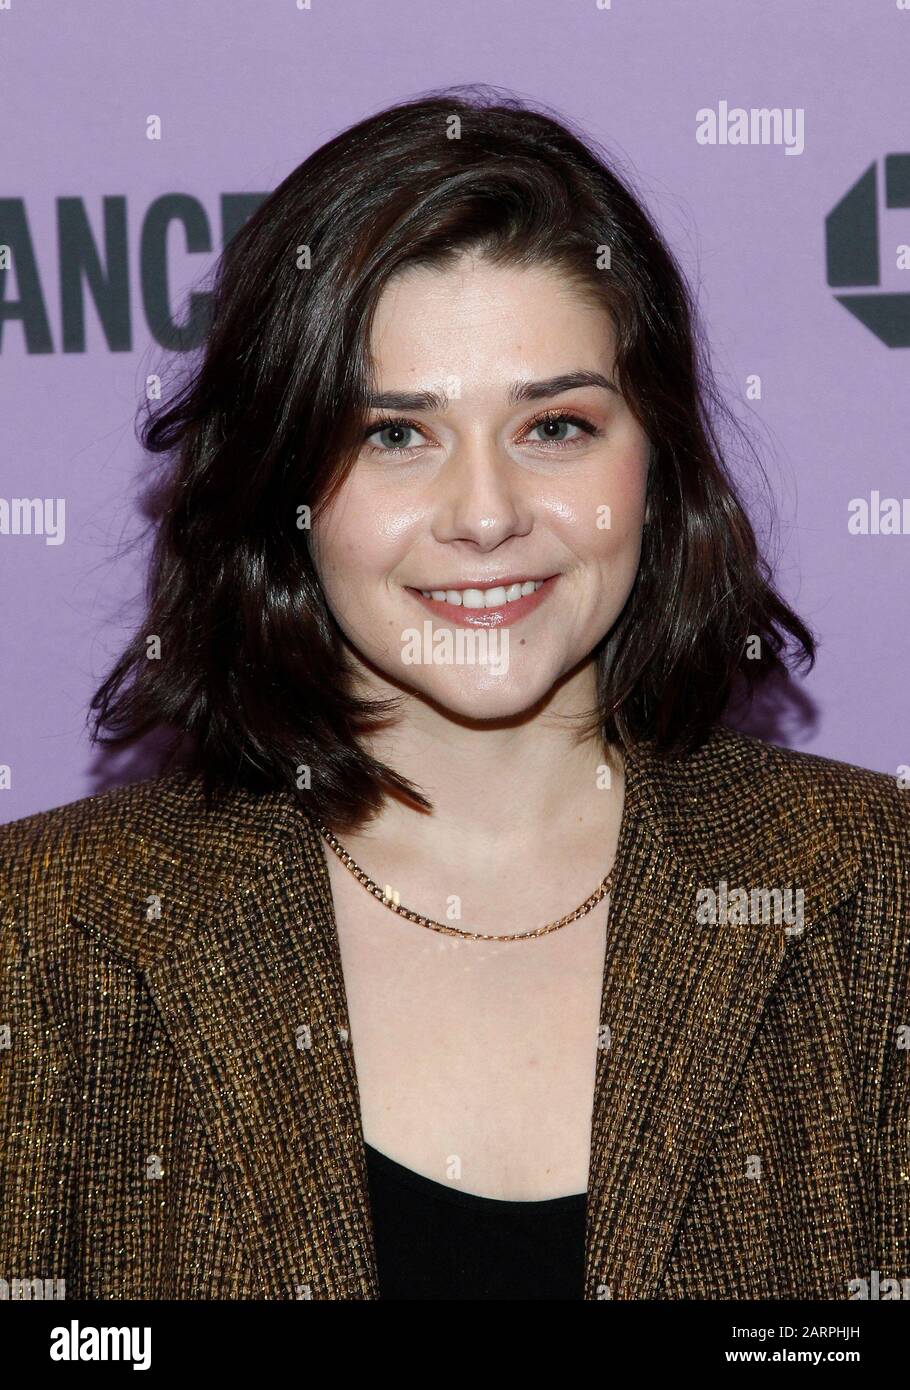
<point>255,1005</point>
<point>681,1001</point>
<point>244,967</point>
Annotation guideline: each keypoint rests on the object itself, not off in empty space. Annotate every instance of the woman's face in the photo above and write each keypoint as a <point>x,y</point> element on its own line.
<point>475,490</point>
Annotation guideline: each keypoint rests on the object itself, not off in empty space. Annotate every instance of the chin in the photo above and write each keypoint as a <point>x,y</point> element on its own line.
<point>485,697</point>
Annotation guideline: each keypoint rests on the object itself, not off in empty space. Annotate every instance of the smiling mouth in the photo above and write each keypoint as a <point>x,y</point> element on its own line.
<point>493,596</point>
<point>494,606</point>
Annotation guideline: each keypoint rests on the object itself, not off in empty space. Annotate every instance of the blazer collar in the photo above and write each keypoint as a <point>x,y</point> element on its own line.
<point>230,919</point>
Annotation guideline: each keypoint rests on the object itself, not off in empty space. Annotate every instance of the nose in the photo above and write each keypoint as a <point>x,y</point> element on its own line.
<point>481,495</point>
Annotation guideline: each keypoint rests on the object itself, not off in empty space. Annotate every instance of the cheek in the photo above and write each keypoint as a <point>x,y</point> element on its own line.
<point>622,516</point>
<point>604,517</point>
<point>619,539</point>
<point>356,545</point>
<point>344,536</point>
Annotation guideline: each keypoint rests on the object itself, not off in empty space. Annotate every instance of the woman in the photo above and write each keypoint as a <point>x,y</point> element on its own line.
<point>451,589</point>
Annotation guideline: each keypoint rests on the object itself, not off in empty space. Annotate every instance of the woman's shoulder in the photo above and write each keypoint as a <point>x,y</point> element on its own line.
<point>743,810</point>
<point>95,854</point>
<point>47,849</point>
<point>756,780</point>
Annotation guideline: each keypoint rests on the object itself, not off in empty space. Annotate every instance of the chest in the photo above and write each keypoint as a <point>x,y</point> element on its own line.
<point>475,1060</point>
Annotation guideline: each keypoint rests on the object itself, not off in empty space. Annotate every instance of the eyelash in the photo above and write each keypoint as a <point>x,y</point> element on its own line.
<point>556,416</point>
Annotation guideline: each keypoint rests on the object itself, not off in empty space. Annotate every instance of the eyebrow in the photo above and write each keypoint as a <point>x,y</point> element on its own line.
<point>518,391</point>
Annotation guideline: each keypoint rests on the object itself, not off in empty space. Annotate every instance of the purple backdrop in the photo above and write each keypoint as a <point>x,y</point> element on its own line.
<point>770,239</point>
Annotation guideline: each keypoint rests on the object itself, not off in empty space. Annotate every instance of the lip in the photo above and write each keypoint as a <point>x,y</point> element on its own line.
<point>506,616</point>
<point>492,581</point>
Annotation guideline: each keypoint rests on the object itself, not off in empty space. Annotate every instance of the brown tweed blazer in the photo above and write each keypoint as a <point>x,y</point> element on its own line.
<point>179,1113</point>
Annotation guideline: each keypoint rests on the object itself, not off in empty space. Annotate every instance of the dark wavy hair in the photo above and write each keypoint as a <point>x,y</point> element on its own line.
<point>254,681</point>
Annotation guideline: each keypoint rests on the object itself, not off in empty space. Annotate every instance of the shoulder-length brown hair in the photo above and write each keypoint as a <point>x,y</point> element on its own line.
<point>252,675</point>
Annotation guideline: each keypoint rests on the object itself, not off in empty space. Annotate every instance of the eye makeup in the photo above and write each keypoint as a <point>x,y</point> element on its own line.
<point>552,416</point>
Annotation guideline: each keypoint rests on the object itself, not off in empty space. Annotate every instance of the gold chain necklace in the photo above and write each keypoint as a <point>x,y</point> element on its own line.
<point>389,902</point>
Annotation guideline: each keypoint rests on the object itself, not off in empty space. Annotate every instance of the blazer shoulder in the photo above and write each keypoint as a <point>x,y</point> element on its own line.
<point>740,803</point>
<point>853,802</point>
<point>162,824</point>
<point>50,844</point>
<point>44,856</point>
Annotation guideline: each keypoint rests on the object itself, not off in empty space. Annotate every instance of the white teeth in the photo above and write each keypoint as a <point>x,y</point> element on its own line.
<point>483,598</point>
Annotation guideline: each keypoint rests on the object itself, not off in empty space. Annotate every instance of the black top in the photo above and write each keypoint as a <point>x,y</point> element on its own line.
<point>435,1241</point>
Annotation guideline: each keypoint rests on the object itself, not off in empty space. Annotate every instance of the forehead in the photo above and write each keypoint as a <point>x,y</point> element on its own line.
<point>486,322</point>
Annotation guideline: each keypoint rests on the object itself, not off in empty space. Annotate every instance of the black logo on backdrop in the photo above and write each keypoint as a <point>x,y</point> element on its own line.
<point>107,275</point>
<point>851,249</point>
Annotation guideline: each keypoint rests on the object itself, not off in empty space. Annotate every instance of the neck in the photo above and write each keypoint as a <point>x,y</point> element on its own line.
<point>498,788</point>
